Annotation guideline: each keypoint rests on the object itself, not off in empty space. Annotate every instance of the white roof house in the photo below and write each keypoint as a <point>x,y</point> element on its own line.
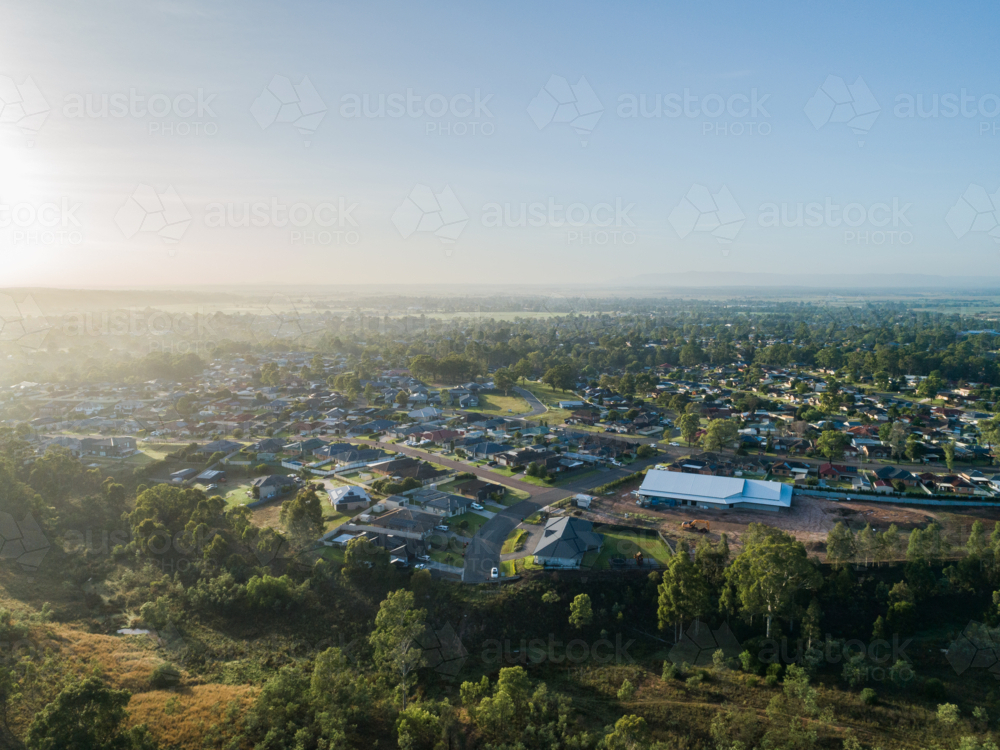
<point>348,496</point>
<point>702,491</point>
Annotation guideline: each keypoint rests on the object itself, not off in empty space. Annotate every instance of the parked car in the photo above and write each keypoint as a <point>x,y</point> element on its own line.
<point>476,506</point>
<point>441,527</point>
<point>425,558</point>
<point>211,487</point>
<point>419,566</point>
<point>494,573</point>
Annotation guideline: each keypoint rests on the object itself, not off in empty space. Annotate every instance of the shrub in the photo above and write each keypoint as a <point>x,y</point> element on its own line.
<point>719,660</point>
<point>626,692</point>
<point>165,675</point>
<point>694,680</point>
<point>669,671</point>
<point>771,680</point>
<point>869,697</point>
<point>749,662</point>
<point>947,713</point>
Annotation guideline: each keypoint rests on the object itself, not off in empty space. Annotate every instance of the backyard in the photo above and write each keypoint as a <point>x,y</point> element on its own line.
<point>624,543</point>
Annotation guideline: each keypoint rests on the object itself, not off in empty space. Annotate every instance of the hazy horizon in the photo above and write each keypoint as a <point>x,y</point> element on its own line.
<point>553,146</point>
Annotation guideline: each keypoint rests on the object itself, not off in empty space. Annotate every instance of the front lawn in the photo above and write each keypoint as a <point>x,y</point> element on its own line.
<point>466,524</point>
<point>514,542</point>
<point>506,472</point>
<point>447,558</point>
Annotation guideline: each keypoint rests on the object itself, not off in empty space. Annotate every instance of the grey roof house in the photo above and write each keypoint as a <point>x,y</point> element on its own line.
<point>565,541</point>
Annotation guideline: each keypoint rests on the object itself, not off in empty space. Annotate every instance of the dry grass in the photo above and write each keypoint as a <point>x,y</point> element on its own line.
<point>191,711</point>
<point>125,661</point>
<point>128,661</point>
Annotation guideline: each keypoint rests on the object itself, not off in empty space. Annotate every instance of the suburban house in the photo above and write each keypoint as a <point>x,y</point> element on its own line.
<point>182,475</point>
<point>273,485</point>
<point>348,498</point>
<point>481,490</point>
<point>486,450</point>
<point>891,474</point>
<point>837,472</point>
<point>677,488</point>
<point>426,414</point>
<point>268,449</point>
<point>440,503</point>
<point>406,521</point>
<point>565,541</point>
<point>115,447</point>
<point>219,446</point>
<point>408,467</point>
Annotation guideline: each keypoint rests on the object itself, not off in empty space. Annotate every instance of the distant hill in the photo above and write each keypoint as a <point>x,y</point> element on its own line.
<point>901,281</point>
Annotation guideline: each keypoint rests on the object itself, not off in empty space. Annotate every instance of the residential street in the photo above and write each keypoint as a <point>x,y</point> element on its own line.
<point>537,407</point>
<point>483,553</point>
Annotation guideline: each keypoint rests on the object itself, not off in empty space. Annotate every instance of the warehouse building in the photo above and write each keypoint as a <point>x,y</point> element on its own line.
<point>699,491</point>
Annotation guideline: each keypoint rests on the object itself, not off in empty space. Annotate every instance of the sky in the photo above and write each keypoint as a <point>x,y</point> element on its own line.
<point>185,143</point>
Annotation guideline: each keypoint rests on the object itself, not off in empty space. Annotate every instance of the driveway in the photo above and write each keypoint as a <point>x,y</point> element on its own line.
<point>530,541</point>
<point>433,565</point>
<point>484,553</point>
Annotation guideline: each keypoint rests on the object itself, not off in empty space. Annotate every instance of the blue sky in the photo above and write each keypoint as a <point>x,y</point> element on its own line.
<point>670,193</point>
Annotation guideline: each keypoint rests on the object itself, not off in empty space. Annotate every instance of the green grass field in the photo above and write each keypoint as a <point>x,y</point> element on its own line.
<point>447,558</point>
<point>625,543</point>
<point>472,520</point>
<point>236,493</point>
<point>550,398</point>
<point>514,542</point>
<point>497,403</point>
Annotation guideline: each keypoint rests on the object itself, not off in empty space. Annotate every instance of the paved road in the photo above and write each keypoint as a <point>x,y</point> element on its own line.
<point>479,471</point>
<point>537,407</point>
<point>483,553</point>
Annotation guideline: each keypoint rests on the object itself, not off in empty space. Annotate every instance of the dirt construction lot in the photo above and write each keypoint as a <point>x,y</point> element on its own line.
<point>808,520</point>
